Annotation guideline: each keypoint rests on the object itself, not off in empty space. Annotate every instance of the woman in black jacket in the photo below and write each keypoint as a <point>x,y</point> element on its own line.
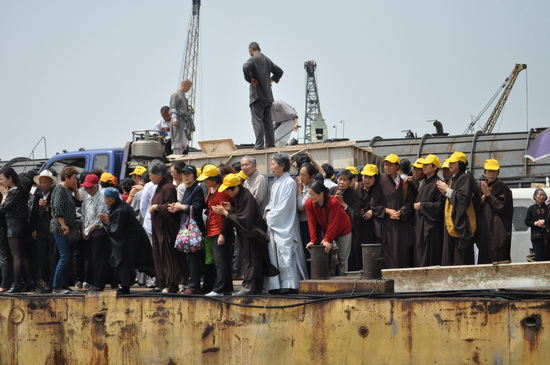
<point>536,219</point>
<point>193,199</point>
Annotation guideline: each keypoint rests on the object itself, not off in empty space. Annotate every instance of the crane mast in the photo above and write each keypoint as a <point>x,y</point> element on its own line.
<point>190,61</point>
<point>313,121</point>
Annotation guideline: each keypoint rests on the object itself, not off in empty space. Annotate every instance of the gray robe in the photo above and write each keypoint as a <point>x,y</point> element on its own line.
<point>285,243</point>
<point>179,106</point>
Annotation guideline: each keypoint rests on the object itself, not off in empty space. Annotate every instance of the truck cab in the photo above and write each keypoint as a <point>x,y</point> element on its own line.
<point>108,160</point>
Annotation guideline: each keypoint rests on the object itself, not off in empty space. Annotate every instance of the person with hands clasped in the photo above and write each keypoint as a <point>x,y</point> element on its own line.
<point>536,219</point>
<point>326,212</point>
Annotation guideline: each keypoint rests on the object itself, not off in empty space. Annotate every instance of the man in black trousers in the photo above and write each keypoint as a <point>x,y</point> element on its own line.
<point>260,72</point>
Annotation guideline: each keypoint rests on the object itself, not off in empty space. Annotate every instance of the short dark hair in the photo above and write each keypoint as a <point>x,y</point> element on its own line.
<point>236,166</point>
<point>178,166</point>
<point>347,174</point>
<point>462,166</point>
<point>165,109</point>
<point>254,46</point>
<point>282,160</point>
<point>329,170</point>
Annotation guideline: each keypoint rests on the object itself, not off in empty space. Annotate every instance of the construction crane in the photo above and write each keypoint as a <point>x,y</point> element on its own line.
<point>191,57</point>
<point>507,87</point>
<point>315,128</point>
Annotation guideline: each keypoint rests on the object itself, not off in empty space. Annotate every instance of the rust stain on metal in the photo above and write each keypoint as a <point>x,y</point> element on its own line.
<point>207,331</point>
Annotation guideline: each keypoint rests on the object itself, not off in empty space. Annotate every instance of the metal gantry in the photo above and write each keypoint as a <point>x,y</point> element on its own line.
<point>313,107</point>
<point>191,57</point>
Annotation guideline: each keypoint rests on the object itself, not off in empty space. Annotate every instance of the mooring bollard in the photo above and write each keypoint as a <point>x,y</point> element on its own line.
<point>372,260</point>
<point>319,262</point>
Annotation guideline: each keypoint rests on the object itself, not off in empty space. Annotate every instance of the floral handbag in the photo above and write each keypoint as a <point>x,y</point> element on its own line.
<point>189,238</point>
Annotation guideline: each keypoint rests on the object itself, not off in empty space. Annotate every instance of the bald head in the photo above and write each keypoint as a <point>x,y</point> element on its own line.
<point>185,85</point>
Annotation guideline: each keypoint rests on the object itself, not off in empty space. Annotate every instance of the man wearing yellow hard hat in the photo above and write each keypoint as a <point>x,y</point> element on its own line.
<point>462,198</point>
<point>393,206</point>
<point>428,208</point>
<point>494,236</point>
<point>417,173</point>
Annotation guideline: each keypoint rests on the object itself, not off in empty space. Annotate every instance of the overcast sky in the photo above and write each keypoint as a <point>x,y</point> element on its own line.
<point>88,73</point>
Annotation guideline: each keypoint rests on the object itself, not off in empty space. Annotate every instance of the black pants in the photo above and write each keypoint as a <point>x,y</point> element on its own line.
<point>222,260</point>
<point>99,247</point>
<point>194,266</point>
<point>539,246</point>
<point>6,263</point>
<point>262,124</point>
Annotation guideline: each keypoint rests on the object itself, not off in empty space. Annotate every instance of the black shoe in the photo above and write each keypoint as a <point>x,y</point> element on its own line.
<point>274,291</point>
<point>123,290</point>
<point>29,287</point>
<point>47,289</point>
<point>15,288</point>
<point>287,291</point>
<point>95,289</point>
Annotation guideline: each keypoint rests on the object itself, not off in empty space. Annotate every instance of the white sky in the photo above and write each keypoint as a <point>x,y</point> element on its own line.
<point>85,74</point>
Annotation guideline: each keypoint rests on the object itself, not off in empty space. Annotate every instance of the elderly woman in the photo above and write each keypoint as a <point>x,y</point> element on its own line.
<point>193,199</point>
<point>169,263</point>
<point>14,206</point>
<point>63,219</point>
<point>218,232</point>
<point>251,229</point>
<point>285,245</point>
<point>94,232</point>
<point>130,248</point>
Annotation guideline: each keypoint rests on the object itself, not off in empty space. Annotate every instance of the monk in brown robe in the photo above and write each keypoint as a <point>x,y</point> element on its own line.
<point>460,218</point>
<point>369,179</point>
<point>169,263</point>
<point>494,235</point>
<point>393,207</point>
<point>252,232</point>
<point>428,207</point>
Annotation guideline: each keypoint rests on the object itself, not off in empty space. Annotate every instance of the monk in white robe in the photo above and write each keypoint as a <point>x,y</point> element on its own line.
<point>285,245</point>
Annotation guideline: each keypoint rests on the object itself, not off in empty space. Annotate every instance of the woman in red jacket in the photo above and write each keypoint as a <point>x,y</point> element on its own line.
<point>324,211</point>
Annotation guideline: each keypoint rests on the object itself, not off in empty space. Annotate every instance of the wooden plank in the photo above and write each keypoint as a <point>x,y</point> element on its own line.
<point>470,277</point>
<point>345,285</point>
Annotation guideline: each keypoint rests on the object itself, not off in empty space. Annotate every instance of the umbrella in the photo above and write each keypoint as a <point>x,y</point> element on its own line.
<point>540,148</point>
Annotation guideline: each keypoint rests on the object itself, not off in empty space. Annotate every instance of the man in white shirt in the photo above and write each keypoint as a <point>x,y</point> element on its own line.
<point>163,126</point>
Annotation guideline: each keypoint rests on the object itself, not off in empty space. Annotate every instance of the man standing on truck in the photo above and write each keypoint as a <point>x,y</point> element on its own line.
<point>182,120</point>
<point>260,72</point>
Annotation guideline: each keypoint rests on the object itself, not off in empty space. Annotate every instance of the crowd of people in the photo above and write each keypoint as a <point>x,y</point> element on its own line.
<point>125,232</point>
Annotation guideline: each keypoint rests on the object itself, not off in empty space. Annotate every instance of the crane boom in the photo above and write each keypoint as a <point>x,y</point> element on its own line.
<point>191,58</point>
<point>508,84</point>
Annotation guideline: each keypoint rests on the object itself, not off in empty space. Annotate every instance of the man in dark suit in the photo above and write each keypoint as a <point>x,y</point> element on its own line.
<point>260,72</point>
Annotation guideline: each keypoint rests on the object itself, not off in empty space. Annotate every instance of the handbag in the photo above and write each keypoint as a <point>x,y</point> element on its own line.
<point>189,238</point>
<point>74,235</point>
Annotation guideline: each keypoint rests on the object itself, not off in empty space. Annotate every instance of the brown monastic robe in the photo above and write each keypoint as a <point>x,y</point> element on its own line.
<point>494,232</point>
<point>397,234</point>
<point>460,250</point>
<point>169,263</point>
<point>429,224</point>
<point>252,232</point>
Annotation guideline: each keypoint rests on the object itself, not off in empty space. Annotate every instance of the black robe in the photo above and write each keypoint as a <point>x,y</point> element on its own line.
<point>366,227</point>
<point>397,234</point>
<point>252,232</point>
<point>429,224</point>
<point>494,232</point>
<point>352,199</point>
<point>130,247</point>
<point>460,250</point>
